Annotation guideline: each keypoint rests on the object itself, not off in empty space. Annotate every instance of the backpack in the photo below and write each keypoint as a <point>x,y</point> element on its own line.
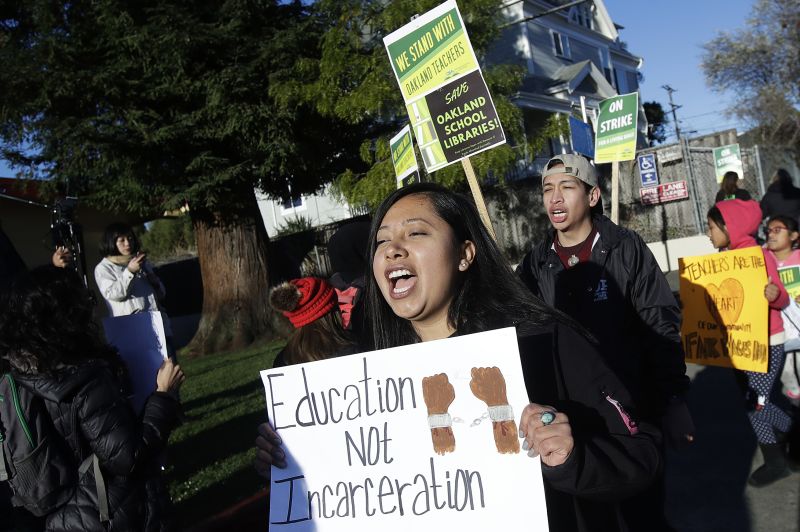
<point>34,458</point>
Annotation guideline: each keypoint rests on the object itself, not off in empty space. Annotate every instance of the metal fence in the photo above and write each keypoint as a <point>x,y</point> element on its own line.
<point>677,162</point>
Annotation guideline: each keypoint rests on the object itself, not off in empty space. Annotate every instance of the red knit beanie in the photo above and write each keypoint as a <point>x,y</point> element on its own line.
<point>303,300</point>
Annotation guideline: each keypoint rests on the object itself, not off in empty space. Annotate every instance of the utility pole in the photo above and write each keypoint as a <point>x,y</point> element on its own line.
<point>670,90</point>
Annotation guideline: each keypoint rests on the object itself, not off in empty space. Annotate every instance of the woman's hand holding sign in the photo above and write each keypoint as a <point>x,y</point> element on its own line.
<point>547,433</point>
<point>268,451</point>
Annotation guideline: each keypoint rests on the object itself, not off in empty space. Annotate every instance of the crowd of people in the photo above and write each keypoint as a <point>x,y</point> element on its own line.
<point>598,331</point>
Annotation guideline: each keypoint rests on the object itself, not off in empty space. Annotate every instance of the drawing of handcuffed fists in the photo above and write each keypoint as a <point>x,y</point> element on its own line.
<point>439,395</point>
<point>489,386</point>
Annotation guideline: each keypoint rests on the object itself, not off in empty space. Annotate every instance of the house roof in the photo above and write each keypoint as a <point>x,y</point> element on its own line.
<point>571,77</point>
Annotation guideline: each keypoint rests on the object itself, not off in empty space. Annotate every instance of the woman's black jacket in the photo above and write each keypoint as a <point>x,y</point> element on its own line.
<point>90,412</point>
<point>615,457</point>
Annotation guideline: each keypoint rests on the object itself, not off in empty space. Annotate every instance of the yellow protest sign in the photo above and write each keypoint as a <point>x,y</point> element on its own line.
<point>725,313</point>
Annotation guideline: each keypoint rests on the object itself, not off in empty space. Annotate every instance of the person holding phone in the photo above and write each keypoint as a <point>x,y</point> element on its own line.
<point>125,278</point>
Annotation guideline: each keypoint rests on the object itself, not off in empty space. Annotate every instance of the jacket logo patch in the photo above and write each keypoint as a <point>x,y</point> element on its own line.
<point>601,294</point>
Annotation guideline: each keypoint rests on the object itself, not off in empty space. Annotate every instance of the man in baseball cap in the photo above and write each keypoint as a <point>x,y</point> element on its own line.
<point>607,279</point>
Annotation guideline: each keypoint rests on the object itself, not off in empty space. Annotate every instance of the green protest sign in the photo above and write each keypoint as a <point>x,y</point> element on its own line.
<point>728,159</point>
<point>790,277</point>
<point>451,111</point>
<point>403,158</point>
<point>616,129</point>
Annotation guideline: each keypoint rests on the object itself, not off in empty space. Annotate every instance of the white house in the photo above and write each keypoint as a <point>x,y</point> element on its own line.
<point>320,209</point>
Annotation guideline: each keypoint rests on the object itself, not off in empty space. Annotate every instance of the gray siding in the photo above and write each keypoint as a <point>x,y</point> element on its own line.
<point>506,50</point>
<point>582,51</point>
<point>545,63</point>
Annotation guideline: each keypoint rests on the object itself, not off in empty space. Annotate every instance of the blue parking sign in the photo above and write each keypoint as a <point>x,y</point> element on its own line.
<point>647,169</point>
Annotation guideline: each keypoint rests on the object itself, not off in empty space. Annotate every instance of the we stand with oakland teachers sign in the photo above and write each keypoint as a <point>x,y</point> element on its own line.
<point>452,114</point>
<point>419,437</point>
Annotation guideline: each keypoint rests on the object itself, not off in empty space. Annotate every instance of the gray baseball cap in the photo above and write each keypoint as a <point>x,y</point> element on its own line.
<point>574,165</point>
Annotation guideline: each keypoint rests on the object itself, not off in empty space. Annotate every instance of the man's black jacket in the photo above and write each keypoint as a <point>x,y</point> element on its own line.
<point>623,299</point>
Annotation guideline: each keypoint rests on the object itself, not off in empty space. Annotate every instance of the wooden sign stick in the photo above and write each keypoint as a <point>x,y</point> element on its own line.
<point>477,195</point>
<point>615,192</point>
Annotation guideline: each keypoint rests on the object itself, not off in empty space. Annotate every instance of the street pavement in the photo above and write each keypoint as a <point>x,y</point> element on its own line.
<point>707,488</point>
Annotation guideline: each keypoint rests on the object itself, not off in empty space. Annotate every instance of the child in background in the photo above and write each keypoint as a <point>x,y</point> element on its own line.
<point>731,225</point>
<point>310,303</point>
<point>782,233</point>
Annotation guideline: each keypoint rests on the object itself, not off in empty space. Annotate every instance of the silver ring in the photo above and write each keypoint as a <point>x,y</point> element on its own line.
<point>547,417</point>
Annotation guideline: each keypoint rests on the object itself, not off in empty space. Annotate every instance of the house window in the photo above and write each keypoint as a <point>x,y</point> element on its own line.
<point>582,16</point>
<point>605,62</point>
<point>293,204</point>
<point>561,45</point>
<point>622,85</point>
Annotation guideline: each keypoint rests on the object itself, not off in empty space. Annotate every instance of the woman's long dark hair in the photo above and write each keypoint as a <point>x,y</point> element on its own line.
<point>783,180</point>
<point>46,322</point>
<point>108,243</point>
<point>730,183</point>
<point>490,295</point>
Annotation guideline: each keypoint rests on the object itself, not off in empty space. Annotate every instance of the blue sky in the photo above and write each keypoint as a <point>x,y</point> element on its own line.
<point>669,36</point>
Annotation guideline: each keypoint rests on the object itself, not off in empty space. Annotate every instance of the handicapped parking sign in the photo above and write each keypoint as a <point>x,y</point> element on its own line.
<point>647,170</point>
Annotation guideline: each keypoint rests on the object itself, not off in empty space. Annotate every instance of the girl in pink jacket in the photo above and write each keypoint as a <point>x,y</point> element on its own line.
<point>731,225</point>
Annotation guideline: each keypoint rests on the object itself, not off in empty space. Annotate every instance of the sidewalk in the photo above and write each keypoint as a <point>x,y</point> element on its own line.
<point>707,486</point>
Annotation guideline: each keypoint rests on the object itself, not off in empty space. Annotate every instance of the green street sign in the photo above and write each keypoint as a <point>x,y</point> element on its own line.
<point>616,129</point>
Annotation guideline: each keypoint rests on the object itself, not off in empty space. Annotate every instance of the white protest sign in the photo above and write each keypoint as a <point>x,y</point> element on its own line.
<point>142,345</point>
<point>368,445</point>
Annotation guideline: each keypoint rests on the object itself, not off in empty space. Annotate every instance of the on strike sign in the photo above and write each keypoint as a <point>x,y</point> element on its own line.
<point>616,129</point>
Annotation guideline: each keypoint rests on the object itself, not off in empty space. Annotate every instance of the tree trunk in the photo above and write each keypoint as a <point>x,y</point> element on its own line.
<point>232,249</point>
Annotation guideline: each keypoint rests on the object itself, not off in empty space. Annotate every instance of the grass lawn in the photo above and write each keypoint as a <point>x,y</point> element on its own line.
<point>211,454</point>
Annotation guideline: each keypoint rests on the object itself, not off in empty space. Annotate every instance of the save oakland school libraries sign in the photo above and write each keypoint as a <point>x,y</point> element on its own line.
<point>451,111</point>
<point>725,313</point>
<point>616,129</point>
<point>419,437</point>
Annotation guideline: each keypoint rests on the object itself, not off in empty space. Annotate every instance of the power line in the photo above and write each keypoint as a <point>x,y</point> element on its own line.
<point>717,127</point>
<point>705,114</point>
<point>543,13</point>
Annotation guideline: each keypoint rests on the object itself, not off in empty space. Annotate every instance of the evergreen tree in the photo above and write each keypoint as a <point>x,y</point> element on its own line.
<point>656,122</point>
<point>148,105</point>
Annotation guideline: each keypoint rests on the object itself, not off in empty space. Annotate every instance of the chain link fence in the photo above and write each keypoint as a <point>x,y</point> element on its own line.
<point>687,217</point>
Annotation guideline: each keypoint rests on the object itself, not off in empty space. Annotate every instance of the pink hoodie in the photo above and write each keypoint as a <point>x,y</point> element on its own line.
<point>741,222</point>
